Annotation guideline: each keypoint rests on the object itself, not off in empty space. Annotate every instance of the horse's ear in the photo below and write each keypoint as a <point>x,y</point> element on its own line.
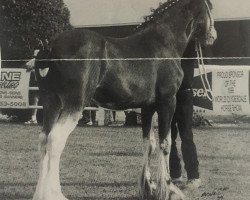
<point>189,29</point>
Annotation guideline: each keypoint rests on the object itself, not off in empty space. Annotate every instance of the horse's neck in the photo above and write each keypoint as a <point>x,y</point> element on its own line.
<point>170,31</point>
<point>175,39</point>
<point>166,39</point>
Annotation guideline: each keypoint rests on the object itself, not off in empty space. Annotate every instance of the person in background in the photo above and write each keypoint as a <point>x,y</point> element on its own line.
<point>88,117</point>
<point>34,95</point>
<point>110,117</point>
<point>114,116</point>
<point>92,117</point>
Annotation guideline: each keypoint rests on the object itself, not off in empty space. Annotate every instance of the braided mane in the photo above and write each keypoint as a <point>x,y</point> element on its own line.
<point>157,13</point>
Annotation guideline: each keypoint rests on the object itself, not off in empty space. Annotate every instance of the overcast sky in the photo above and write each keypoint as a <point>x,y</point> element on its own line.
<point>97,12</point>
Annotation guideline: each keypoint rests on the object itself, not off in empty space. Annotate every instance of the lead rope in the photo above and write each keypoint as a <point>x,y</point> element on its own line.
<point>207,89</point>
<point>210,16</point>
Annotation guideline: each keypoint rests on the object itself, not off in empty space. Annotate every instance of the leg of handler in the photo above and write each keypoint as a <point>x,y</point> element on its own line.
<point>175,163</point>
<point>185,113</point>
<point>183,120</point>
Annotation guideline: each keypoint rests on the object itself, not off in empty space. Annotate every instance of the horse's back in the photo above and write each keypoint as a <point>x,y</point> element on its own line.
<point>77,43</point>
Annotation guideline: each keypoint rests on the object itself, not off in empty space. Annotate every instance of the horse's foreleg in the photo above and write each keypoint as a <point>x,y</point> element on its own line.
<point>165,189</point>
<point>146,185</point>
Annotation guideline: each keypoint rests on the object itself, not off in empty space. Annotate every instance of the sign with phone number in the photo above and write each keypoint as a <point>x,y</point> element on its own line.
<point>14,88</point>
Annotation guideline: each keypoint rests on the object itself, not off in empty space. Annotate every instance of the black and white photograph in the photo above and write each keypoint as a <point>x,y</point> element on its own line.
<point>124,100</point>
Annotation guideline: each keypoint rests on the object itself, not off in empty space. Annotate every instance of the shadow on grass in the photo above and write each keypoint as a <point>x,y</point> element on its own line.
<point>102,198</point>
<point>4,196</point>
<point>16,184</point>
<point>228,157</point>
<point>103,184</point>
<point>121,153</point>
<point>9,196</point>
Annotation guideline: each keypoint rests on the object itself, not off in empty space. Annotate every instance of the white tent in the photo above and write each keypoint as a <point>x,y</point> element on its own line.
<point>225,10</point>
<point>118,12</point>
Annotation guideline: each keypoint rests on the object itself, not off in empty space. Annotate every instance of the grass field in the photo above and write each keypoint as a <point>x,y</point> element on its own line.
<point>104,163</point>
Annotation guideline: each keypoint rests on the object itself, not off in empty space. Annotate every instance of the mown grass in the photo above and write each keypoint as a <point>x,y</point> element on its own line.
<point>104,163</point>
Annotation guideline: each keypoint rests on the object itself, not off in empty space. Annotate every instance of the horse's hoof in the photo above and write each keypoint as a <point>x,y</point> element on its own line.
<point>175,193</point>
<point>54,198</point>
<point>174,196</point>
<point>168,191</point>
<point>51,196</point>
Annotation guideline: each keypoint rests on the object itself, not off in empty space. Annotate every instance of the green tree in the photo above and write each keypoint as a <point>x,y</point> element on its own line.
<point>23,23</point>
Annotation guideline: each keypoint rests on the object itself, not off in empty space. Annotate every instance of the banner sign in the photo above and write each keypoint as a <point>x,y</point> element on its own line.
<point>14,88</point>
<point>230,88</point>
<point>200,95</point>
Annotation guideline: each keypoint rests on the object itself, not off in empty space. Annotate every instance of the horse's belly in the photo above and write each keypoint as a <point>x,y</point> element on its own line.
<point>117,98</point>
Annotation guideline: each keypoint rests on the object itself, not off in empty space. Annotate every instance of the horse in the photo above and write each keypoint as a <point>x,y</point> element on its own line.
<point>118,73</point>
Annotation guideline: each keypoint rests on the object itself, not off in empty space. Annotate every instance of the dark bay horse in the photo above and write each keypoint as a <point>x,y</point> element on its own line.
<point>118,74</point>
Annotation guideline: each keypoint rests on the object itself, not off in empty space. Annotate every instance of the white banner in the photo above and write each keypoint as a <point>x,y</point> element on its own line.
<point>231,90</point>
<point>14,88</point>
<point>230,87</point>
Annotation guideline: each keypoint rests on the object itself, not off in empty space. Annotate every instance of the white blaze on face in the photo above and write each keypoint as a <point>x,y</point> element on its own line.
<point>211,32</point>
<point>212,36</point>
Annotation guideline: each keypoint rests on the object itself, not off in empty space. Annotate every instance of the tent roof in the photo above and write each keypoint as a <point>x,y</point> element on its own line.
<point>119,12</point>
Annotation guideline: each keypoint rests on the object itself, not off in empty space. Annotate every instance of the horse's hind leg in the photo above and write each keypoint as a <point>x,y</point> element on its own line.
<point>146,185</point>
<point>57,138</point>
<point>165,189</point>
<point>51,110</point>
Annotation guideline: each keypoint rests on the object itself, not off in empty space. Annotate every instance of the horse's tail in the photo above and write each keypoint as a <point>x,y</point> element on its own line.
<point>43,63</point>
<point>46,75</point>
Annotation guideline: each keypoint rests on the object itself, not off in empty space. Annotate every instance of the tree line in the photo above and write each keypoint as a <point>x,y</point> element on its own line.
<point>27,24</point>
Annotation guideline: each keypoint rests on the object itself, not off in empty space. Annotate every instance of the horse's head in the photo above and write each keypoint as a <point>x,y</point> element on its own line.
<point>203,22</point>
<point>186,18</point>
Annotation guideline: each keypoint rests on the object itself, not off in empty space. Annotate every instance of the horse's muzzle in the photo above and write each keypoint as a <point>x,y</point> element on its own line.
<point>211,36</point>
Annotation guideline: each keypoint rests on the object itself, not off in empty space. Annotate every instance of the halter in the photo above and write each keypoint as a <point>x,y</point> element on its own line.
<point>209,37</point>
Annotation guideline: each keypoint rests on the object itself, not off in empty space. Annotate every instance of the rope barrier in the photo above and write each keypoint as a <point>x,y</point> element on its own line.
<point>126,59</point>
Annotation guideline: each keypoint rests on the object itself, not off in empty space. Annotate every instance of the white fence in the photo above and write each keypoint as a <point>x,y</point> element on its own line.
<point>230,88</point>
<point>100,112</point>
